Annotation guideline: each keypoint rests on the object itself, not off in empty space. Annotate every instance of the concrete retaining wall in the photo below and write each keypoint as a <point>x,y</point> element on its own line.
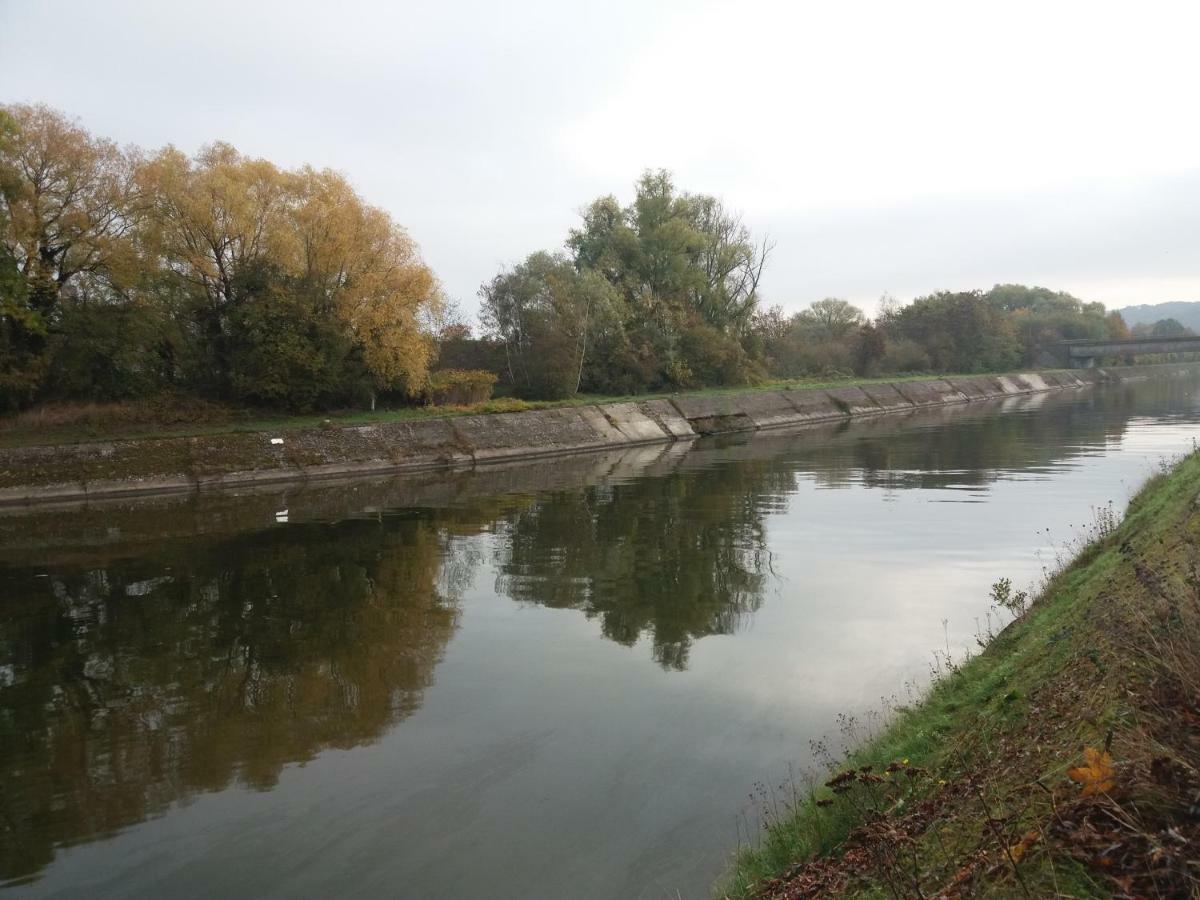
<point>31,475</point>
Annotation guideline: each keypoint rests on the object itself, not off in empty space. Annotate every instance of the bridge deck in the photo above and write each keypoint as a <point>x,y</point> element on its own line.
<point>1092,349</point>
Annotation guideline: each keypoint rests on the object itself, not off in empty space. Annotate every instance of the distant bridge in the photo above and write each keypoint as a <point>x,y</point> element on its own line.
<point>1083,354</point>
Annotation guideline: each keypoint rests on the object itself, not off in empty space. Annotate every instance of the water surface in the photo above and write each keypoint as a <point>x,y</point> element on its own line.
<point>555,679</point>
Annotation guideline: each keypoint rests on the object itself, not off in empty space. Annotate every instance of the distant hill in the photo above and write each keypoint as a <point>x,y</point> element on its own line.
<point>1186,313</point>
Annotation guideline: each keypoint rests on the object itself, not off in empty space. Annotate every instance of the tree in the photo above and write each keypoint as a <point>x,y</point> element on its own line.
<point>66,208</point>
<point>22,328</point>
<point>1169,328</point>
<point>682,263</point>
<point>959,332</point>
<point>23,332</point>
<point>1042,316</point>
<point>546,312</point>
<point>284,352</point>
<point>110,351</point>
<point>1117,329</point>
<point>68,204</point>
<point>869,348</point>
<point>369,273</point>
<point>831,319</point>
<point>732,264</point>
<point>220,216</point>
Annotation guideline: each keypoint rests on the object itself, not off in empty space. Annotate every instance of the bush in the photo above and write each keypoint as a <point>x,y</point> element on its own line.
<point>461,387</point>
<point>903,355</point>
<point>283,352</point>
<point>713,358</point>
<point>620,365</point>
<point>829,358</point>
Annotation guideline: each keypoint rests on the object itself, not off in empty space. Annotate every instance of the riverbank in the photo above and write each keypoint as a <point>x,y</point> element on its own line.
<point>1063,760</point>
<point>221,459</point>
<point>83,423</point>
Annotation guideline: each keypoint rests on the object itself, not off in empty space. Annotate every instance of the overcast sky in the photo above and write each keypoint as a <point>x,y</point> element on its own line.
<point>885,147</point>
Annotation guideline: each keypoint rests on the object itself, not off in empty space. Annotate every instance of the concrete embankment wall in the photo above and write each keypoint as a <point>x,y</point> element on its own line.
<point>31,475</point>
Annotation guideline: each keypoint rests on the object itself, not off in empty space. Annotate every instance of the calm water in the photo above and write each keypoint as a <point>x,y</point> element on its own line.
<point>559,679</point>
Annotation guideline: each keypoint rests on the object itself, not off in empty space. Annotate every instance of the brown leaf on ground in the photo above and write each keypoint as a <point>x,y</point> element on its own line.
<point>1018,850</point>
<point>1096,775</point>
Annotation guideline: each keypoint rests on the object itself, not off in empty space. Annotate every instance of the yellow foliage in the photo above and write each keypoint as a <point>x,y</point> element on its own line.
<point>69,202</point>
<point>216,214</point>
<point>1096,775</point>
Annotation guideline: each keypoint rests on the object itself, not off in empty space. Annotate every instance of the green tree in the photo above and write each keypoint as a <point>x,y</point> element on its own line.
<point>682,263</point>
<point>959,332</point>
<point>23,360</point>
<point>546,312</point>
<point>111,351</point>
<point>1041,316</point>
<point>830,319</point>
<point>1169,328</point>
<point>869,349</point>
<point>284,353</point>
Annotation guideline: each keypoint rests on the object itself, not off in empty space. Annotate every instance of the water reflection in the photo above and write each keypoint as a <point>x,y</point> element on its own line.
<point>152,651</point>
<point>138,684</point>
<point>672,558</point>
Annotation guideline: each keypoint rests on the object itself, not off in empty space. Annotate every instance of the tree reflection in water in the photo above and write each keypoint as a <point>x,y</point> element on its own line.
<point>143,682</point>
<point>675,558</point>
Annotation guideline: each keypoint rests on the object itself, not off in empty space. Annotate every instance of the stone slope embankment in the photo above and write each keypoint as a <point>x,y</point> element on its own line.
<point>39,474</point>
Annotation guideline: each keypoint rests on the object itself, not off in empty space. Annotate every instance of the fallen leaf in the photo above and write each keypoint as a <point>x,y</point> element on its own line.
<point>1096,775</point>
<point>1018,850</point>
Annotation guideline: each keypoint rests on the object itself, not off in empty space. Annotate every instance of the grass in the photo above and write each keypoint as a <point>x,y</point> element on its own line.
<point>181,416</point>
<point>968,794</point>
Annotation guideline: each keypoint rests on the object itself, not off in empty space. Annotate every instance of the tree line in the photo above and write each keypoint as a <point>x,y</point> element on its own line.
<point>964,331</point>
<point>663,294</point>
<point>126,274</point>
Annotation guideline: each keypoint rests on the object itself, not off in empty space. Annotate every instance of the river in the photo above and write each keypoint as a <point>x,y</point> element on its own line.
<point>566,678</point>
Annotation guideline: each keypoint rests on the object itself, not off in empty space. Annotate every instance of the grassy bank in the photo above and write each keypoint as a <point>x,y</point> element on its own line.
<point>1060,761</point>
<point>74,423</point>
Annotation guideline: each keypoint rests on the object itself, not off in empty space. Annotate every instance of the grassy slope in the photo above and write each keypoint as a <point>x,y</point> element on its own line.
<point>978,802</point>
<point>82,422</point>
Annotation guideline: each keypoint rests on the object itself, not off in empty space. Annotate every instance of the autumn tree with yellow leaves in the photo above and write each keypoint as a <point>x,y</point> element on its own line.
<point>122,273</point>
<point>67,209</point>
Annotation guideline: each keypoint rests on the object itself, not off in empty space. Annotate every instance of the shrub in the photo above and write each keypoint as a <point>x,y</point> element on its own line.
<point>903,355</point>
<point>828,359</point>
<point>461,387</point>
<point>502,405</point>
<point>712,358</point>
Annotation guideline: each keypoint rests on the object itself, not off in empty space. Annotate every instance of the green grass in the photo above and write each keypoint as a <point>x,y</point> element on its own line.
<point>997,716</point>
<point>102,422</point>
